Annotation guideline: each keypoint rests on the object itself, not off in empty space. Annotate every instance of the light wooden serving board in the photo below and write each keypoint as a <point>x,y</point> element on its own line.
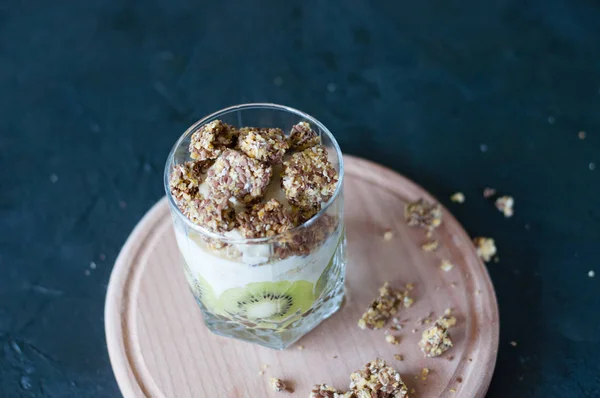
<point>159,346</point>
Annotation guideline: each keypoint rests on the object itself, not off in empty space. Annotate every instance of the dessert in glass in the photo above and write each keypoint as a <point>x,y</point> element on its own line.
<point>255,193</point>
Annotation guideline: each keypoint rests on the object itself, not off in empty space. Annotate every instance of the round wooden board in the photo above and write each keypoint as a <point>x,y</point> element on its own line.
<point>159,346</point>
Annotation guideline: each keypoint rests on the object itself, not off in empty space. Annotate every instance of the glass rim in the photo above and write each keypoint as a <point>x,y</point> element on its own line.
<point>224,111</point>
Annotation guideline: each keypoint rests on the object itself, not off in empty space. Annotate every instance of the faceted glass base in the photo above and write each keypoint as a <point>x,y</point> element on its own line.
<point>283,334</point>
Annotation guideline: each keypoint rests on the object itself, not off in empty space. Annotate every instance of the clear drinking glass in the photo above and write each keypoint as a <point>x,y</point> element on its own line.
<point>270,291</point>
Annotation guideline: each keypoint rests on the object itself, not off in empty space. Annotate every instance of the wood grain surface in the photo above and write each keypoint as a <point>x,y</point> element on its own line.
<point>159,346</point>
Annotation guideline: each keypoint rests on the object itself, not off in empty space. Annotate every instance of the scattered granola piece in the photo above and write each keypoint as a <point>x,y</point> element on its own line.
<point>430,245</point>
<point>303,137</point>
<point>446,265</point>
<point>423,214</point>
<point>448,321</point>
<point>398,357</point>
<point>486,247</point>
<point>324,391</point>
<point>380,309</point>
<point>581,135</point>
<point>408,301</point>
<point>488,192</point>
<point>210,140</point>
<point>265,144</point>
<point>308,178</point>
<point>235,174</point>
<point>591,273</point>
<point>435,340</point>
<point>513,343</point>
<point>214,214</point>
<point>412,391</point>
<point>390,338</point>
<point>453,390</point>
<point>410,286</point>
<point>300,347</point>
<point>414,330</point>
<point>265,219</point>
<point>458,197</point>
<point>450,357</point>
<point>424,373</point>
<point>377,379</point>
<point>277,384</point>
<point>505,205</point>
<point>459,379</point>
<point>388,235</point>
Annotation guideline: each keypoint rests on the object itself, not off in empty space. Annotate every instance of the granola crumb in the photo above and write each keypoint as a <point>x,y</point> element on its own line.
<point>591,273</point>
<point>277,384</point>
<point>430,245</point>
<point>414,331</point>
<point>452,284</point>
<point>505,204</point>
<point>446,265</point>
<point>335,357</point>
<point>265,144</point>
<point>309,178</point>
<point>459,379</point>
<point>388,235</point>
<point>380,309</point>
<point>488,192</point>
<point>303,137</point>
<point>424,373</point>
<point>453,390</point>
<point>262,372</point>
<point>486,248</point>
<point>398,357</point>
<point>410,286</point>
<point>513,343</point>
<point>478,292</point>
<point>407,301</point>
<point>448,311</point>
<point>435,340</point>
<point>377,379</point>
<point>301,347</point>
<point>450,357</point>
<point>458,197</point>
<point>581,135</point>
<point>326,391</point>
<point>448,321</point>
<point>423,214</point>
<point>390,338</point>
<point>412,391</point>
<point>210,140</point>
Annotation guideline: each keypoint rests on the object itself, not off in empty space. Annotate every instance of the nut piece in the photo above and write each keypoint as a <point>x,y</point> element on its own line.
<point>430,246</point>
<point>423,214</point>
<point>267,145</point>
<point>214,214</point>
<point>446,265</point>
<point>265,219</point>
<point>308,178</point>
<point>377,379</point>
<point>505,205</point>
<point>458,197</point>
<point>435,340</point>
<point>277,384</point>
<point>380,310</point>
<point>235,174</point>
<point>325,391</point>
<point>303,136</point>
<point>486,248</point>
<point>211,140</point>
<point>186,179</point>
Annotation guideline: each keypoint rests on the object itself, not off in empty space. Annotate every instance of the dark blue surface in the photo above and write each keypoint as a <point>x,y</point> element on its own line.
<point>96,92</point>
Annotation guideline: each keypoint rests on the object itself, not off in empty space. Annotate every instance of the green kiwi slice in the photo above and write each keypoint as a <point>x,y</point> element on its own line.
<point>200,288</point>
<point>267,301</point>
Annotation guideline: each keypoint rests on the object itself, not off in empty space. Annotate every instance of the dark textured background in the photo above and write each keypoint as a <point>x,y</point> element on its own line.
<point>95,93</point>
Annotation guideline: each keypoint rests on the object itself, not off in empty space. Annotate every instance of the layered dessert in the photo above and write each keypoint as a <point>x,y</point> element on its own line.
<point>259,222</point>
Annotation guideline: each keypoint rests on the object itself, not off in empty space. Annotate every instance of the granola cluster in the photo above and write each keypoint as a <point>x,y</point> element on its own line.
<point>214,214</point>
<point>375,380</point>
<point>265,219</point>
<point>277,384</point>
<point>237,175</point>
<point>185,181</point>
<point>265,145</point>
<point>423,214</point>
<point>436,339</point>
<point>211,140</point>
<point>303,137</point>
<point>505,205</point>
<point>381,308</point>
<point>308,178</point>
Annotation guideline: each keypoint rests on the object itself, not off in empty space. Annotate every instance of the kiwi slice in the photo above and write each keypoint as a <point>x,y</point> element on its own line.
<point>268,301</point>
<point>200,288</point>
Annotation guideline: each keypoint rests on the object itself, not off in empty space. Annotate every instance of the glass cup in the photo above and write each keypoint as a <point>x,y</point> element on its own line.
<point>270,291</point>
